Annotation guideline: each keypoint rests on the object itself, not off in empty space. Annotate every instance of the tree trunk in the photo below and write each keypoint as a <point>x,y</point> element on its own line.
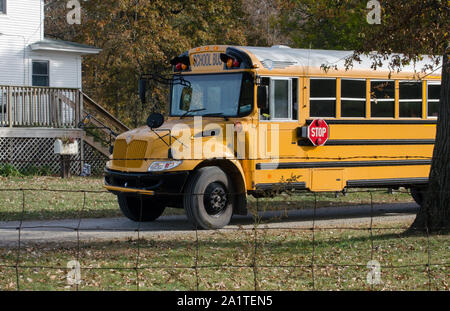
<point>434,214</point>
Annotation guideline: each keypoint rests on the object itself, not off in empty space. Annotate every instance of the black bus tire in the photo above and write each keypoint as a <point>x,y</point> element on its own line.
<point>207,199</point>
<point>131,207</point>
<point>418,194</point>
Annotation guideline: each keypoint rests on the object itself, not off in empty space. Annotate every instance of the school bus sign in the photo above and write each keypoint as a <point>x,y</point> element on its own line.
<point>318,132</point>
<point>207,59</point>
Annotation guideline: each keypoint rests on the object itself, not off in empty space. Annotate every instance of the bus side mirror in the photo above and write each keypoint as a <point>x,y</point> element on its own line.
<point>263,97</point>
<point>155,120</point>
<point>143,90</point>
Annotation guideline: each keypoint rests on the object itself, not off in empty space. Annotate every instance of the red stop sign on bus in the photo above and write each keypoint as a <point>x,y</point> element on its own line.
<point>318,132</point>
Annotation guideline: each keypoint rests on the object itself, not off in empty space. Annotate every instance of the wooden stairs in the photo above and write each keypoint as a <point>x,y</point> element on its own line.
<point>100,127</point>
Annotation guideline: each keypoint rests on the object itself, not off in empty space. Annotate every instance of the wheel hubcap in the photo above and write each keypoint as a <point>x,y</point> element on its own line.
<point>215,199</point>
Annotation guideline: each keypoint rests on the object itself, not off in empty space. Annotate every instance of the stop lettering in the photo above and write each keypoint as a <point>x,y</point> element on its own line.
<point>318,132</point>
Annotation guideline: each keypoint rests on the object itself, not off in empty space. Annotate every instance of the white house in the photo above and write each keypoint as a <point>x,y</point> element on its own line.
<point>27,58</point>
<point>41,96</point>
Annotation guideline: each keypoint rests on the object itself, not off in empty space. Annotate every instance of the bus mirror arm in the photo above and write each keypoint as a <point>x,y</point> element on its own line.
<point>145,79</point>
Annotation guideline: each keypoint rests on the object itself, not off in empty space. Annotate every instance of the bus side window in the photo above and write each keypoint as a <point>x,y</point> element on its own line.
<point>433,98</point>
<point>283,99</point>
<point>295,99</point>
<point>322,98</point>
<point>353,98</point>
<point>382,99</point>
<point>280,99</point>
<point>410,99</point>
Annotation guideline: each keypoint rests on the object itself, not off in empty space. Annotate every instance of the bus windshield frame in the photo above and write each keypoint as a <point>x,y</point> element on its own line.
<point>213,95</point>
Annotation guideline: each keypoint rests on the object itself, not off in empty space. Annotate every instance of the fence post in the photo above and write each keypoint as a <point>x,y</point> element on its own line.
<point>65,165</point>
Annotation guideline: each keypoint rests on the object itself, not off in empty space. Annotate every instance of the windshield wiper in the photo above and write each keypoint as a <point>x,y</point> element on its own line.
<point>216,114</point>
<point>190,111</point>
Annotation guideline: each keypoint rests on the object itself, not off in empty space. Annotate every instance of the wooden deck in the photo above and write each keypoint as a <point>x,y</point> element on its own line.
<point>36,132</point>
<point>44,114</point>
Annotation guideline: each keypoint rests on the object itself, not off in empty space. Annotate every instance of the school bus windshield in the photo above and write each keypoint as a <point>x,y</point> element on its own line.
<point>228,95</point>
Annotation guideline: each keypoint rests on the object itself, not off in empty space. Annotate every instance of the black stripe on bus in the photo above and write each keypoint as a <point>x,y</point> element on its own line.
<point>299,165</point>
<point>361,142</point>
<point>272,186</point>
<point>371,121</point>
<point>386,182</point>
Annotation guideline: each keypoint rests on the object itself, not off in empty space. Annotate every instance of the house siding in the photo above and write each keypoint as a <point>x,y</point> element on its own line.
<point>64,68</point>
<point>24,18</point>
<point>13,62</point>
<point>22,26</point>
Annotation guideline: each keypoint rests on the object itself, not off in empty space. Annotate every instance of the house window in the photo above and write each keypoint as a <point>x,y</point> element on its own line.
<point>283,99</point>
<point>41,73</point>
<point>322,98</point>
<point>2,6</point>
<point>433,97</point>
<point>382,98</point>
<point>353,98</point>
<point>410,100</point>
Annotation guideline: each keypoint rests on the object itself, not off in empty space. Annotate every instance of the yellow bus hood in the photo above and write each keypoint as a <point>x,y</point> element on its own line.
<point>135,150</point>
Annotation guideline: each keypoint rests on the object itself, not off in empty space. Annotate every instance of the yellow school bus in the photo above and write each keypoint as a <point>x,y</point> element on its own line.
<point>242,122</point>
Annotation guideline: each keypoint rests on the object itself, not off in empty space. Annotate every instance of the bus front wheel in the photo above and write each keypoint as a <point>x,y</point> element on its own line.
<point>207,200</point>
<point>131,208</point>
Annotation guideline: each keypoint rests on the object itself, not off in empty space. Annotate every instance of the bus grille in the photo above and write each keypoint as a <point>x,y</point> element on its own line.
<point>126,153</point>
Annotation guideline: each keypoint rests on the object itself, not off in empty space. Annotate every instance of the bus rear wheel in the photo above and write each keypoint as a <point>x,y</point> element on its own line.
<point>418,194</point>
<point>207,200</point>
<point>131,208</point>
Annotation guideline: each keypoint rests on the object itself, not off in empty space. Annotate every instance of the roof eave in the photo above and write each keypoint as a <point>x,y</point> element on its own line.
<point>83,51</point>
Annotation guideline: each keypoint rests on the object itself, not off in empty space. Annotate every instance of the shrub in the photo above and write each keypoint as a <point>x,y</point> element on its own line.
<point>37,171</point>
<point>8,170</point>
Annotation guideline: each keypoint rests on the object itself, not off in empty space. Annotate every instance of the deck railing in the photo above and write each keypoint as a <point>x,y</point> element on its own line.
<point>58,108</point>
<point>23,106</point>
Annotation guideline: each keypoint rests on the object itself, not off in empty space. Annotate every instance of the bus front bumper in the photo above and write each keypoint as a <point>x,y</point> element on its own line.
<point>145,183</point>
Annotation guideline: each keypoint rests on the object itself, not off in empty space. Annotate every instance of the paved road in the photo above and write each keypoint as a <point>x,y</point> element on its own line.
<point>122,228</point>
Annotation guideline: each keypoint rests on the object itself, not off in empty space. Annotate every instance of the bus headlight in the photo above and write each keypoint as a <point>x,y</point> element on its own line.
<point>159,166</point>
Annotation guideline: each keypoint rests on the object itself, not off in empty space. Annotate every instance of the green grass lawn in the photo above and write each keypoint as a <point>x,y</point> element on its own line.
<point>65,203</point>
<point>41,204</point>
<point>229,260</point>
<point>218,260</point>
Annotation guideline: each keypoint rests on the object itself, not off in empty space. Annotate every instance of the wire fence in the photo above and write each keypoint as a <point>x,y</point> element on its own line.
<point>269,250</point>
